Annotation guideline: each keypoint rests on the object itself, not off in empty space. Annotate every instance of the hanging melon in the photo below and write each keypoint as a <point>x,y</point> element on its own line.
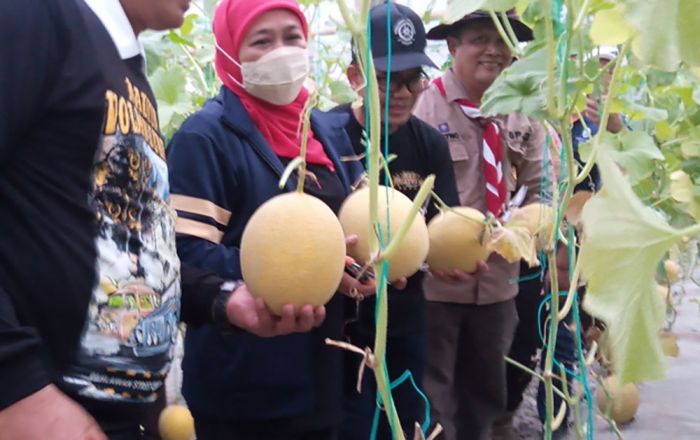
<point>354,217</point>
<point>293,251</point>
<point>623,402</point>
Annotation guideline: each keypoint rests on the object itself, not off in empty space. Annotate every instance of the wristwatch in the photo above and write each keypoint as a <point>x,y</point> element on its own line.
<point>218,309</point>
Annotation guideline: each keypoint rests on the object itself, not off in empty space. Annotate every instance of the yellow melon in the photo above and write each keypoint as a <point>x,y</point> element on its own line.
<point>293,251</point>
<point>672,270</point>
<point>669,343</point>
<point>354,216</point>
<point>623,402</point>
<point>663,292</point>
<point>458,240</point>
<point>176,423</point>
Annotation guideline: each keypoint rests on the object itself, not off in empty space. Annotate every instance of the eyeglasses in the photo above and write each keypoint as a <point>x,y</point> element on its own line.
<point>414,84</point>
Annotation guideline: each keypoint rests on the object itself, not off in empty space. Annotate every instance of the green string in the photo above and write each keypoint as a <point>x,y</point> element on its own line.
<point>407,375</point>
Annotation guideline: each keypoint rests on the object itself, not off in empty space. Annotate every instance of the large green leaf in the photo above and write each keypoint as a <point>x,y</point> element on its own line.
<point>624,242</point>
<point>519,89</point>
<point>457,9</point>
<point>636,152</point>
<point>667,32</point>
<point>169,88</point>
<point>610,27</point>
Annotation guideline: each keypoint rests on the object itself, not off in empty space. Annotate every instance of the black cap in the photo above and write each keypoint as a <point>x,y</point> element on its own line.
<point>407,38</point>
<point>442,31</point>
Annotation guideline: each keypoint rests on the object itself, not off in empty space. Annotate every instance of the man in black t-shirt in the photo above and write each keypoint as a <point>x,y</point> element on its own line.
<point>420,151</point>
<point>89,280</point>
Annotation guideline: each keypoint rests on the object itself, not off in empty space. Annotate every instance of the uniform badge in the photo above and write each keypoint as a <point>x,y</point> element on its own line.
<point>405,31</point>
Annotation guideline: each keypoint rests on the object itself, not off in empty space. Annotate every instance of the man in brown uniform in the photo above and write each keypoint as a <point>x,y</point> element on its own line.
<point>471,321</point>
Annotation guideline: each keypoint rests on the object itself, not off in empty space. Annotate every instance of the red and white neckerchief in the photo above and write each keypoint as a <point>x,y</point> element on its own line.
<point>492,153</point>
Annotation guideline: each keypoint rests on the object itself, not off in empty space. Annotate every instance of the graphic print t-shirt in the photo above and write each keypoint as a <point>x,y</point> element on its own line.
<point>131,327</point>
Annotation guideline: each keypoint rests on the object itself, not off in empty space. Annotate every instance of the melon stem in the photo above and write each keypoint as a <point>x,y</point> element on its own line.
<point>422,195</point>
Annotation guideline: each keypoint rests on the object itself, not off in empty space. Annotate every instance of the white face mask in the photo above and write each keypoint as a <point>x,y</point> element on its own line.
<point>277,77</point>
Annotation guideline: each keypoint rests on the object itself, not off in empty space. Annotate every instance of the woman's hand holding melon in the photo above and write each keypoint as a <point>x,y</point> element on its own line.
<point>252,315</point>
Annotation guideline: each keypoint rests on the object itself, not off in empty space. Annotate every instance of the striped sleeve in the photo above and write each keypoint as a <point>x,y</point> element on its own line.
<point>202,190</point>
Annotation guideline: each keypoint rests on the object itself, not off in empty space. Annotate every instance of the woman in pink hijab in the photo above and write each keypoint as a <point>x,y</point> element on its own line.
<point>225,161</point>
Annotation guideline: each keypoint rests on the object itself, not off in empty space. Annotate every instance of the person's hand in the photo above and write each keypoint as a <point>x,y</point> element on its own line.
<point>615,124</point>
<point>252,315</point>
<point>591,111</point>
<point>592,114</point>
<point>351,286</point>
<point>459,276</point>
<point>48,413</point>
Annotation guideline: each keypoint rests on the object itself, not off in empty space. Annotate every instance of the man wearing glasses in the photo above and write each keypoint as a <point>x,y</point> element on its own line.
<point>420,151</point>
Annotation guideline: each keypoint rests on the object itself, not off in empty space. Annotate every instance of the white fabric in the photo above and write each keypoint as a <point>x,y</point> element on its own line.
<point>112,15</point>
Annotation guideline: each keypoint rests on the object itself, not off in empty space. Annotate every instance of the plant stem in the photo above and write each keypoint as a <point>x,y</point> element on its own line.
<point>373,164</point>
<point>504,36</point>
<point>422,195</point>
<point>511,32</point>
<point>291,166</point>
<point>602,127</point>
<point>306,125</point>
<point>551,342</point>
<point>692,231</point>
<point>551,58</point>
<point>581,15</point>
<point>197,68</point>
<point>532,372</point>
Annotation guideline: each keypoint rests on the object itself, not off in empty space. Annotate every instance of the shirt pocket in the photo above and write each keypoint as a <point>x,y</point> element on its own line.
<point>460,163</point>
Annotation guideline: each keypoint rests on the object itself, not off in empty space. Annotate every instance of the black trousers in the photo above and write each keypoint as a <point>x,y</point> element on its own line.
<point>465,374</point>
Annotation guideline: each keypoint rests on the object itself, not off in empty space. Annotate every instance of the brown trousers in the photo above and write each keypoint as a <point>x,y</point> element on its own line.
<point>465,373</point>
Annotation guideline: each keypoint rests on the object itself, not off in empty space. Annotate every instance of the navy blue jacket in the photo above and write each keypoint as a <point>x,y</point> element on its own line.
<point>221,171</point>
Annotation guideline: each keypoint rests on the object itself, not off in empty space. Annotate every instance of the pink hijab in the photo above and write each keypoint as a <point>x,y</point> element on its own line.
<point>279,124</point>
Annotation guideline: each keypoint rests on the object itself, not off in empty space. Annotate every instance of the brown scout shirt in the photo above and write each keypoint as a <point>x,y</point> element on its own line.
<point>523,140</point>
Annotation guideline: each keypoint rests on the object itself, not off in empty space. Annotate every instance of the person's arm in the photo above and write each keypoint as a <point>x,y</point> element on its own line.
<point>33,45</point>
<point>28,61</point>
<point>531,165</point>
<point>30,406</point>
<point>203,291</point>
<point>201,188</point>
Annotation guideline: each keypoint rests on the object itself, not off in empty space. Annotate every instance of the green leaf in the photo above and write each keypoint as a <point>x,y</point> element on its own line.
<point>341,91</point>
<point>519,88</point>
<point>169,87</point>
<point>681,187</point>
<point>667,32</point>
<point>623,234</point>
<point>176,38</point>
<point>457,9</point>
<point>696,95</point>
<point>636,153</point>
<point>691,148</point>
<point>610,27</point>
<point>639,111</point>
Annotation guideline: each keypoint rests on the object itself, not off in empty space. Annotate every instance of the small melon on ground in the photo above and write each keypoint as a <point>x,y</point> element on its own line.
<point>458,240</point>
<point>354,216</point>
<point>293,252</point>
<point>669,343</point>
<point>623,402</point>
<point>176,423</point>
